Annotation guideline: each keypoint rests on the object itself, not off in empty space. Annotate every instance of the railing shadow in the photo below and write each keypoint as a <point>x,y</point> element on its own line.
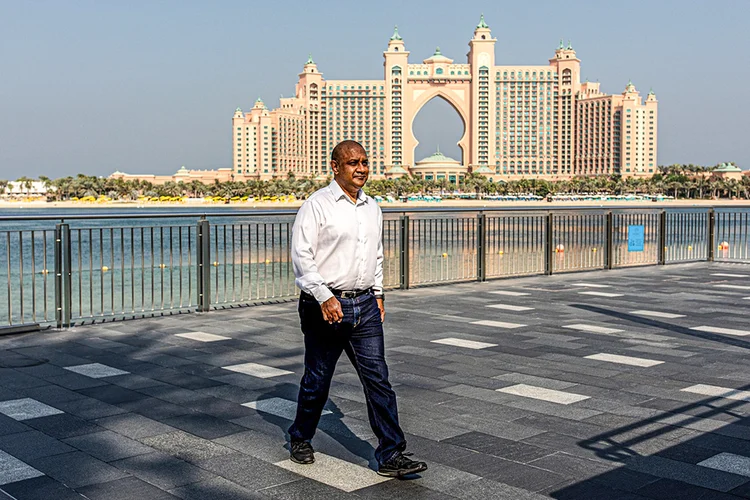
<point>711,337</point>
<point>618,446</point>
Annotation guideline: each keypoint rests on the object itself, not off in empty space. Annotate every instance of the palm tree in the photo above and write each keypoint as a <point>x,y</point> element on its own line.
<point>26,183</point>
<point>675,186</point>
<point>476,182</point>
<point>3,186</point>
<point>745,186</point>
<point>718,186</point>
<point>196,188</point>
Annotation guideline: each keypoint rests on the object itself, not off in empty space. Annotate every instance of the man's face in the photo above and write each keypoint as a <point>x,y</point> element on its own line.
<point>352,169</point>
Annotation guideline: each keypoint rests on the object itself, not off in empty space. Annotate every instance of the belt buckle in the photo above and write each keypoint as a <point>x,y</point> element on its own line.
<point>348,294</point>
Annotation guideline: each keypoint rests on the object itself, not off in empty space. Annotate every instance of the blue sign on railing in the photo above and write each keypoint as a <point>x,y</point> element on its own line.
<point>636,237</point>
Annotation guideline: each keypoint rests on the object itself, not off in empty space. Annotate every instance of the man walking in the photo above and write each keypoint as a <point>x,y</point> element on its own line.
<point>337,253</point>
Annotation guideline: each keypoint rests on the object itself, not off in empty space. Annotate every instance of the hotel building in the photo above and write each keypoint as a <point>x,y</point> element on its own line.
<point>519,121</point>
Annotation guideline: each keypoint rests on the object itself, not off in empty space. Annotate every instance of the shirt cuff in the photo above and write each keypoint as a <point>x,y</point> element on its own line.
<point>321,293</point>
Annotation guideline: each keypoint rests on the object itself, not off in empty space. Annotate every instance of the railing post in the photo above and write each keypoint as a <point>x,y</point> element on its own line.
<point>404,251</point>
<point>711,234</point>
<point>63,286</point>
<point>662,237</point>
<point>204,265</point>
<point>482,247</point>
<point>610,242</point>
<point>548,247</point>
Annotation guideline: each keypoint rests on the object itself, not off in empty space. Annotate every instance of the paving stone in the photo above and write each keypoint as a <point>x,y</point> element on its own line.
<point>203,425</point>
<point>687,473</point>
<point>497,324</point>
<point>77,469</point>
<point>172,394</point>
<point>742,491</point>
<point>14,380</point>
<point>40,488</point>
<point>133,381</point>
<point>12,469</point>
<point>89,408</point>
<point>11,426</point>
<point>668,489</point>
<point>260,445</point>
<point>522,378</point>
<point>498,447</point>
<point>202,336</point>
<point>277,406</point>
<point>624,360</point>
<point>96,370</point>
<point>63,426</point>
<point>551,395</point>
<point>52,394</point>
<point>186,446</point>
<point>112,394</point>
<point>728,462</point>
<point>511,473</point>
<point>27,408</point>
<point>108,446</point>
<point>592,328</point>
<point>624,479</point>
<point>571,466</point>
<point>185,380</point>
<point>510,307</point>
<point>218,488</point>
<point>722,392</point>
<point>484,489</point>
<point>657,314</point>
<point>32,444</point>
<point>134,426</point>
<point>219,408</point>
<point>305,489</point>
<point>257,370</point>
<point>602,294</point>
<point>162,470</point>
<point>125,489</point>
<point>253,473</point>
<point>154,408</point>
<point>722,331</point>
<point>401,490</point>
<point>590,489</point>
<point>75,382</point>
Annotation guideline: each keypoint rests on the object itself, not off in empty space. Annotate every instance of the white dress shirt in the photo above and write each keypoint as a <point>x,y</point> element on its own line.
<point>337,243</point>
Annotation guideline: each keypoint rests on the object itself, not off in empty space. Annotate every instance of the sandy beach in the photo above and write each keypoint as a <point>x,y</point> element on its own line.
<point>469,204</point>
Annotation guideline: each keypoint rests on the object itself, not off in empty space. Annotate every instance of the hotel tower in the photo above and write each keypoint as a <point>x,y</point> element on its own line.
<point>519,121</point>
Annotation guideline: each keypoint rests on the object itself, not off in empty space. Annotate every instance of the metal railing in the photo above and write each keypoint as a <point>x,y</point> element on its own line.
<point>94,268</point>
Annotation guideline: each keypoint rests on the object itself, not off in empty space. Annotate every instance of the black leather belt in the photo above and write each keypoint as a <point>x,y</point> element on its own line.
<point>344,294</point>
<point>349,294</point>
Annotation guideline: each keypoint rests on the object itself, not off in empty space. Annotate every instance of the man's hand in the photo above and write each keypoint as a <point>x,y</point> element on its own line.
<point>332,310</point>
<point>381,306</point>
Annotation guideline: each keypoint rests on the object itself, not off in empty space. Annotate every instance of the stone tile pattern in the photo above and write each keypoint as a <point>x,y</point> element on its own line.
<point>582,397</point>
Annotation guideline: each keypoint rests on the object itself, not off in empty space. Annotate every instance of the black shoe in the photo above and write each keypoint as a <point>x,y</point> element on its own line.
<point>399,466</point>
<point>302,452</point>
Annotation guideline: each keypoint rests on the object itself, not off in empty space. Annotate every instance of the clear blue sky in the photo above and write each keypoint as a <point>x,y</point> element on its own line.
<point>94,86</point>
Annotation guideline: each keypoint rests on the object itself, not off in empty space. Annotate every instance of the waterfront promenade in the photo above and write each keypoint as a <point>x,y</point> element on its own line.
<point>621,384</point>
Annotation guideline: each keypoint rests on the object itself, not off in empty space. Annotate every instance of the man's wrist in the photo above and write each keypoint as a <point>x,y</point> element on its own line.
<point>380,296</point>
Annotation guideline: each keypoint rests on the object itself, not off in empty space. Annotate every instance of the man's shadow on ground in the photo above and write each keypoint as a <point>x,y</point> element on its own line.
<point>330,424</point>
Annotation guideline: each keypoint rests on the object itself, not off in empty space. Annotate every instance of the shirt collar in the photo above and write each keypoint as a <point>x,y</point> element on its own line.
<point>338,193</point>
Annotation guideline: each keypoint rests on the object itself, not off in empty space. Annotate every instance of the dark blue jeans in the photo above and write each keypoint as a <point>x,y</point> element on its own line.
<point>360,335</point>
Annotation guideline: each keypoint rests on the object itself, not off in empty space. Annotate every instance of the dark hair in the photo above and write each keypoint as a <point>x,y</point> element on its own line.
<point>341,146</point>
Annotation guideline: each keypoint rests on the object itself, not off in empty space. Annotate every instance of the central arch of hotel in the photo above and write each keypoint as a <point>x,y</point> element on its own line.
<point>454,94</point>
